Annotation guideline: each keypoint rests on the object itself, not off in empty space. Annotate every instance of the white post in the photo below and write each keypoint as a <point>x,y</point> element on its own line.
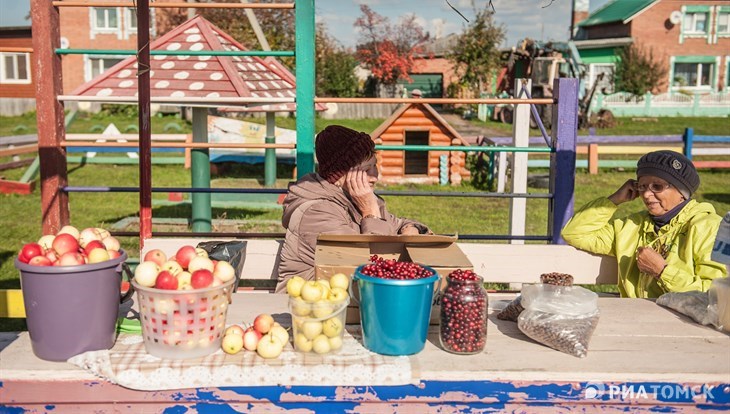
<point>520,138</point>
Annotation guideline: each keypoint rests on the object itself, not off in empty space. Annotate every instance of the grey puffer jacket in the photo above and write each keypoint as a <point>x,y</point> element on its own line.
<point>312,207</point>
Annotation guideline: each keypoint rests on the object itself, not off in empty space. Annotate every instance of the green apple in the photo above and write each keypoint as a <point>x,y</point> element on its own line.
<point>321,344</point>
<point>340,280</point>
<point>294,286</point>
<point>332,327</point>
<point>311,329</point>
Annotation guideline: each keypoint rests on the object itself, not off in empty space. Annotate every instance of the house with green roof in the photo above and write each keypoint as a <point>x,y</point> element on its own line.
<point>691,38</point>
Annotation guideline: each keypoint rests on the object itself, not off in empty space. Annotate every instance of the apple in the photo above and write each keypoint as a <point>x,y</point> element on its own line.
<point>232,344</point>
<point>263,323</point>
<point>294,286</point>
<point>71,259</point>
<point>216,282</point>
<point>164,307</point>
<point>73,231</point>
<point>146,273</point>
<point>98,255</point>
<point>224,271</point>
<point>40,261</point>
<point>64,243</point>
<point>46,242</point>
<point>311,291</point>
<point>280,332</point>
<point>337,295</point>
<point>198,262</point>
<point>340,280</point>
<point>269,347</point>
<point>251,339</point>
<point>321,344</point>
<point>166,281</point>
<point>29,251</point>
<point>88,235</point>
<point>184,255</point>
<point>52,256</point>
<point>311,329</point>
<point>332,327</point>
<point>201,279</point>
<point>325,288</point>
<point>173,267</point>
<point>301,343</point>
<point>157,256</point>
<point>94,244</point>
<point>111,243</point>
<point>335,343</point>
<point>322,309</point>
<point>201,252</point>
<point>299,307</point>
<point>113,254</point>
<point>183,279</point>
<point>234,329</point>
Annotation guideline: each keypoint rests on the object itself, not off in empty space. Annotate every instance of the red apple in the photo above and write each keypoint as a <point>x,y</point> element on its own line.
<point>111,243</point>
<point>94,244</point>
<point>251,339</point>
<point>263,323</point>
<point>52,256</point>
<point>224,271</point>
<point>166,281</point>
<point>71,259</point>
<point>29,251</point>
<point>201,279</point>
<point>184,255</point>
<point>65,243</point>
<point>157,256</point>
<point>113,254</point>
<point>40,261</point>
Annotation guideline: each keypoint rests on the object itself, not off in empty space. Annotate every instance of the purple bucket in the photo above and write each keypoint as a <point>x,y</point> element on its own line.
<point>72,309</point>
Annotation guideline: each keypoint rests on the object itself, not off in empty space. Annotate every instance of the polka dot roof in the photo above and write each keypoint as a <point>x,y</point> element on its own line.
<point>199,76</point>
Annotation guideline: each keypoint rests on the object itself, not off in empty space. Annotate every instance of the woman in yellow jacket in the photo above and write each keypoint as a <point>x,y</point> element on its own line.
<point>665,248</point>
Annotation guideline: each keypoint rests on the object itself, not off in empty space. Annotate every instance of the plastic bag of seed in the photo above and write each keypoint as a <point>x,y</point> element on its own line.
<point>513,309</point>
<point>561,317</point>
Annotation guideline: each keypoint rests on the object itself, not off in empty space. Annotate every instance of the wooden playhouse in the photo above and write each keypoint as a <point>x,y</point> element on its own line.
<point>419,124</point>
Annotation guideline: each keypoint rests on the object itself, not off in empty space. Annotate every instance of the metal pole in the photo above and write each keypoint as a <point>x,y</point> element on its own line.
<point>304,51</point>
<point>49,115</point>
<point>562,161</point>
<point>688,137</point>
<point>270,153</point>
<point>145,127</point>
<point>200,172</point>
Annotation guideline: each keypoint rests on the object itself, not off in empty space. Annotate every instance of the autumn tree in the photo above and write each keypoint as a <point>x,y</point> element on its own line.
<point>388,50</point>
<point>637,71</point>
<point>476,54</point>
<point>334,67</point>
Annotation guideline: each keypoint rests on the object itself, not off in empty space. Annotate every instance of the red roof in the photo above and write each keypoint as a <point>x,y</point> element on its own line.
<point>199,76</point>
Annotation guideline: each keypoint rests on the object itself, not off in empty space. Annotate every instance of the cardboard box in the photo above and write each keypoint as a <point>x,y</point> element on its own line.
<point>344,253</point>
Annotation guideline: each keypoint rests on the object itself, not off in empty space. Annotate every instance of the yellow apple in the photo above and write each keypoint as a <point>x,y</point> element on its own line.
<point>311,329</point>
<point>337,295</point>
<point>301,343</point>
<point>335,343</point>
<point>332,327</point>
<point>340,280</point>
<point>311,291</point>
<point>294,286</point>
<point>280,332</point>
<point>321,344</point>
<point>232,343</point>
<point>322,309</point>
<point>299,307</point>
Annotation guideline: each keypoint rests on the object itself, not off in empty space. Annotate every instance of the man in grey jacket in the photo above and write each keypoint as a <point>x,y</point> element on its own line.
<point>339,199</point>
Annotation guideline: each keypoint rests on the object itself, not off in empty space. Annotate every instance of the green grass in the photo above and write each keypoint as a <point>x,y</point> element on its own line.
<point>639,126</point>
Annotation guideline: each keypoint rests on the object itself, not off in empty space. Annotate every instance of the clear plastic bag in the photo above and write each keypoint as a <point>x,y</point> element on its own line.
<point>719,303</point>
<point>513,309</point>
<point>561,317</point>
<point>706,308</point>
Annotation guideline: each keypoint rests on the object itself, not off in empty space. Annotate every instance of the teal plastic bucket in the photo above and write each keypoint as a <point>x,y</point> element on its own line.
<point>395,313</point>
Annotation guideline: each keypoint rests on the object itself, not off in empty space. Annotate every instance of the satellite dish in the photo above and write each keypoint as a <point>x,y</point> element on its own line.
<point>64,43</point>
<point>675,17</point>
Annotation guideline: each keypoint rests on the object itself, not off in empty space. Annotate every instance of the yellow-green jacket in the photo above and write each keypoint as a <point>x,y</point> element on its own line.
<point>687,240</point>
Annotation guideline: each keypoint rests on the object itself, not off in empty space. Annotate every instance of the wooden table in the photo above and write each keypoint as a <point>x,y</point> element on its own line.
<point>641,355</point>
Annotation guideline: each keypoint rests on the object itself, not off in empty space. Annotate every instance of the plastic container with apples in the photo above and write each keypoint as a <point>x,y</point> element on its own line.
<point>318,310</point>
<point>183,302</point>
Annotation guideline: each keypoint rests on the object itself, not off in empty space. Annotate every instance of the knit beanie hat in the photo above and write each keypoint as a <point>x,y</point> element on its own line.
<point>673,167</point>
<point>339,148</point>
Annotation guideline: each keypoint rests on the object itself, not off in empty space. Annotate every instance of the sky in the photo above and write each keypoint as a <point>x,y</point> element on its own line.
<point>537,19</point>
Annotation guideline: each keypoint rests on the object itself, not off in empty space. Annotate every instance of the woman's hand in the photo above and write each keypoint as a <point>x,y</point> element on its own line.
<point>627,192</point>
<point>361,193</point>
<point>650,261</point>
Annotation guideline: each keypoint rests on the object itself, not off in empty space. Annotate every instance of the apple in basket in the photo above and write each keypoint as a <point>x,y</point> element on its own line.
<point>69,247</point>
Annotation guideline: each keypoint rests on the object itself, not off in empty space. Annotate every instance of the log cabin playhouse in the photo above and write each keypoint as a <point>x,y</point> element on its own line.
<point>419,124</point>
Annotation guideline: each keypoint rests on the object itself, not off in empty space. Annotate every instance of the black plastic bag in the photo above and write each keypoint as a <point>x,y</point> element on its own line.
<point>233,252</point>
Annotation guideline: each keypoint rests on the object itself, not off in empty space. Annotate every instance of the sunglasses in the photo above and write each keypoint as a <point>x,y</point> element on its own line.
<point>655,188</point>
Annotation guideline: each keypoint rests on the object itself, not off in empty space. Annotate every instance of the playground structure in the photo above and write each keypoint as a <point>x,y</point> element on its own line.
<point>52,143</point>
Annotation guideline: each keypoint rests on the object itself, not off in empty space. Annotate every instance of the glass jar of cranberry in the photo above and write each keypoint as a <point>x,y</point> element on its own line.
<point>463,328</point>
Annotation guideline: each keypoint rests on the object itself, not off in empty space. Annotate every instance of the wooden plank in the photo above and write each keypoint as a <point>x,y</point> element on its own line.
<point>711,164</point>
<point>593,158</point>
<point>634,149</point>
<point>11,303</point>
<point>16,164</point>
<point>16,187</point>
<point>562,161</point>
<point>126,137</point>
<point>23,149</point>
<point>521,138</point>
<point>711,151</point>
